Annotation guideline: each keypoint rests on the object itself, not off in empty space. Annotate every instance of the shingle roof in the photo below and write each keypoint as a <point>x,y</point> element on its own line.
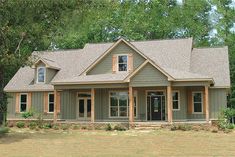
<point>176,57</point>
<point>213,62</point>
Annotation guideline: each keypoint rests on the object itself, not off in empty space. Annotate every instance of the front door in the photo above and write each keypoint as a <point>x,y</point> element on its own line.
<point>156,105</point>
<point>84,108</point>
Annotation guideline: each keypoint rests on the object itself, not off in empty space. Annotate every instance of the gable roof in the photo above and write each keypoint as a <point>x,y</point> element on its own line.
<point>174,58</point>
<point>48,63</point>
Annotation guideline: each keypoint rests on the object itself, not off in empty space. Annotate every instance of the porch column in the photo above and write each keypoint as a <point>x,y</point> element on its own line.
<point>131,106</point>
<point>169,103</point>
<point>207,104</point>
<point>55,106</point>
<point>92,105</point>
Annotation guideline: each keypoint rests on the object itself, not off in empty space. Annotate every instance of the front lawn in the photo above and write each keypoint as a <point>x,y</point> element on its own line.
<point>69,143</point>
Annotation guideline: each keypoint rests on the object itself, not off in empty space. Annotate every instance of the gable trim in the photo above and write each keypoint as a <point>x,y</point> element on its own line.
<point>109,50</point>
<point>46,64</point>
<point>127,79</point>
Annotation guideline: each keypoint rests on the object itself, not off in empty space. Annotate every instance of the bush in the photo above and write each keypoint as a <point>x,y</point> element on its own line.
<point>20,124</point>
<point>76,127</point>
<point>108,127</point>
<point>32,125</point>
<point>47,126</point>
<point>119,127</point>
<point>27,114</point>
<point>174,128</point>
<point>56,127</point>
<point>65,127</point>
<point>84,127</point>
<point>4,130</point>
<point>225,117</point>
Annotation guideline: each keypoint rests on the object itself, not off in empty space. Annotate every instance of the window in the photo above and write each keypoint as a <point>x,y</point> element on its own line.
<point>197,102</point>
<point>122,62</point>
<point>41,74</point>
<point>175,100</point>
<point>50,102</point>
<point>23,102</point>
<point>119,104</point>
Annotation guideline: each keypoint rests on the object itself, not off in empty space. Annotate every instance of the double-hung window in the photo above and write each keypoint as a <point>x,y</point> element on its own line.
<point>23,102</point>
<point>50,102</point>
<point>176,100</point>
<point>119,104</point>
<point>41,74</point>
<point>122,62</point>
<point>197,102</point>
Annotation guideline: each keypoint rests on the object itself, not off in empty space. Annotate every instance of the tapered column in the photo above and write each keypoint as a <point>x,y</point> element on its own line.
<point>207,104</point>
<point>131,106</point>
<point>92,105</point>
<point>169,103</point>
<point>55,106</point>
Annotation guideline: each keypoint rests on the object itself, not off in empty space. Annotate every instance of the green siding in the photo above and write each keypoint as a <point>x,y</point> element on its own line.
<point>217,101</point>
<point>11,105</point>
<point>149,76</point>
<point>182,113</point>
<point>50,73</point>
<point>68,104</point>
<point>105,65</point>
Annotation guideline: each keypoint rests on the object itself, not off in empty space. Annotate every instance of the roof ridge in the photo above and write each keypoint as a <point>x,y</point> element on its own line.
<point>140,41</point>
<point>212,47</point>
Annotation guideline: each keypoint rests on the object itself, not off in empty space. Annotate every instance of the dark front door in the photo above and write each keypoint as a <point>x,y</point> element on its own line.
<point>156,107</point>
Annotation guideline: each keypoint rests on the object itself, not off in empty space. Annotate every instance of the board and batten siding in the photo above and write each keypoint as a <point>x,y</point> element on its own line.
<point>217,101</point>
<point>68,104</point>
<point>149,76</point>
<point>105,64</point>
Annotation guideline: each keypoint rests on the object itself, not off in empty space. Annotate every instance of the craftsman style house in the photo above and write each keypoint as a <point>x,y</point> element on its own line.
<point>159,80</point>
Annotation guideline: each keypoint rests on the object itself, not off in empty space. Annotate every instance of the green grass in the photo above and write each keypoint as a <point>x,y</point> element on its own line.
<point>27,143</point>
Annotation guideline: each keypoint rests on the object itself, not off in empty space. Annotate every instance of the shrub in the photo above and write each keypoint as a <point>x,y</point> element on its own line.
<point>47,126</point>
<point>32,125</point>
<point>4,130</point>
<point>84,127</point>
<point>56,127</point>
<point>20,124</point>
<point>214,130</point>
<point>27,114</point>
<point>174,127</point>
<point>108,127</point>
<point>225,117</point>
<point>76,127</point>
<point>65,127</point>
<point>119,127</point>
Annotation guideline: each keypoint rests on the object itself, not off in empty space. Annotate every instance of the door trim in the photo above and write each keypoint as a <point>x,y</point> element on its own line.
<point>85,118</point>
<point>146,94</point>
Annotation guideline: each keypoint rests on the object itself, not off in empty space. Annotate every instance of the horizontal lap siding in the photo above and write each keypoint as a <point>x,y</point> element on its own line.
<point>149,76</point>
<point>105,65</point>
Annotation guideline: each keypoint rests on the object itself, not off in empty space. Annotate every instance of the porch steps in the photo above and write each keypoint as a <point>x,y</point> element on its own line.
<point>147,126</point>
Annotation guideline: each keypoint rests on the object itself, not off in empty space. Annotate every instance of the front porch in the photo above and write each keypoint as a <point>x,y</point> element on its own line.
<point>105,104</point>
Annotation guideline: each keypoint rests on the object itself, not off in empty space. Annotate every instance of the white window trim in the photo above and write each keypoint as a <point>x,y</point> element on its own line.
<point>44,74</point>
<point>176,100</point>
<point>197,102</point>
<point>135,95</point>
<point>49,102</point>
<point>126,63</point>
<point>26,102</point>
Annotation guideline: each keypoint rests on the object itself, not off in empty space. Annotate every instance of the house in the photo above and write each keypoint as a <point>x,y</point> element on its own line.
<point>159,80</point>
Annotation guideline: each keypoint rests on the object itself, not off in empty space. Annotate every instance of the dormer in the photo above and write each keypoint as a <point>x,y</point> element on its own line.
<point>45,70</point>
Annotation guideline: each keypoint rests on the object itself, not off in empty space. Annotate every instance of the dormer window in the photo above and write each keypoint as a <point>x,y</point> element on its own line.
<point>41,74</point>
<point>122,62</point>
